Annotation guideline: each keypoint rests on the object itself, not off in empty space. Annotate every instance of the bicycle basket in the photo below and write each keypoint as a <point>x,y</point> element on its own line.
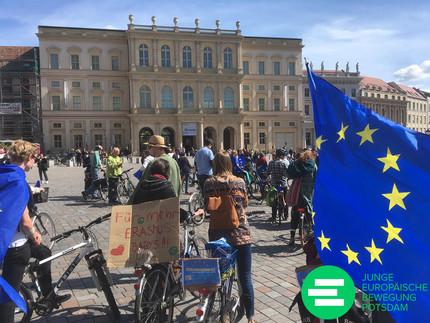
<point>41,197</point>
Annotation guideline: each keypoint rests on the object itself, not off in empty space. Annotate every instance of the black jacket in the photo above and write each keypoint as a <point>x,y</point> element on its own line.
<point>153,189</point>
<point>184,165</point>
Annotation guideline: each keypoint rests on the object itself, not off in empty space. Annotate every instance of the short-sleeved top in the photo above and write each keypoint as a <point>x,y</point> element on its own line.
<point>203,161</point>
<point>95,160</point>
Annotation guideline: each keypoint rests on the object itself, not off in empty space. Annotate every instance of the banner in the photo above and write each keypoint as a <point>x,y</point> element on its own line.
<point>189,129</point>
<point>10,108</point>
<point>150,226</point>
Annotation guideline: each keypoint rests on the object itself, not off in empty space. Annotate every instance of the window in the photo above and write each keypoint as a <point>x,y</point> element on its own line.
<point>95,62</point>
<point>56,102</point>
<point>116,103</point>
<point>409,118</point>
<point>343,91</point>
<point>76,84</point>
<point>77,125</point>
<point>276,68</point>
<point>228,59</point>
<point>291,68</point>
<point>261,124</point>
<point>96,84</point>
<point>75,62</point>
<point>277,104</point>
<point>98,125</point>
<point>276,88</point>
<point>167,97</point>
<point>165,56</point>
<point>291,88</point>
<point>98,140</point>
<point>261,104</point>
<point>307,92</point>
<point>97,103</point>
<point>208,98</point>
<point>56,125</point>
<point>115,63</point>
<point>246,124</point>
<point>246,138</point>
<point>261,88</point>
<point>76,103</point>
<point>306,109</point>
<point>78,141</point>
<point>228,98</point>
<point>353,93</point>
<point>292,124</point>
<point>186,57</point>
<point>54,61</point>
<point>246,87</point>
<point>117,140</point>
<point>277,124</point>
<point>262,136</point>
<point>245,104</point>
<point>55,83</point>
<point>261,68</point>
<point>117,125</point>
<point>291,103</point>
<point>145,97</point>
<point>245,67</point>
<point>188,97</point>
<point>115,85</point>
<point>207,57</point>
<point>143,55</point>
<point>58,142</point>
<point>385,96</point>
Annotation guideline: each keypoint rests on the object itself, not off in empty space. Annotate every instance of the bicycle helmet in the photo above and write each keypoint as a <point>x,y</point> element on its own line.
<point>98,147</point>
<point>281,152</point>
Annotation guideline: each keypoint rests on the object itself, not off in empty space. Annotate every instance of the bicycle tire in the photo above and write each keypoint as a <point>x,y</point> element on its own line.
<point>306,229</point>
<point>122,194</point>
<point>148,304</point>
<point>264,189</point>
<point>199,219</point>
<point>45,225</point>
<point>213,311</point>
<point>97,262</point>
<point>28,297</point>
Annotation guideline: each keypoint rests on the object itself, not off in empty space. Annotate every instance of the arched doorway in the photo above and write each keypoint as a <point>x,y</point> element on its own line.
<point>144,135</point>
<point>169,136</point>
<point>209,132</point>
<point>228,138</point>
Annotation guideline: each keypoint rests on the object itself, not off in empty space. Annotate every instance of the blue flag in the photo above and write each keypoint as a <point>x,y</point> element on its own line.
<point>372,201</point>
<point>14,197</point>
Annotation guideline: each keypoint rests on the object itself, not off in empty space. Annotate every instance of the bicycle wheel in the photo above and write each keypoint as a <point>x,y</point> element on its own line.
<point>264,189</point>
<point>198,243</point>
<point>306,229</point>
<point>20,316</point>
<point>101,275</point>
<point>122,193</point>
<point>213,311</point>
<point>150,305</point>
<point>45,225</point>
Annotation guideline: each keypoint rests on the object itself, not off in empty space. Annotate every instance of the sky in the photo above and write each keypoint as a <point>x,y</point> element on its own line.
<point>389,39</point>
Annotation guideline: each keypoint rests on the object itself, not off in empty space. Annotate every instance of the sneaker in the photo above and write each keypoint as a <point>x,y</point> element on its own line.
<point>291,243</point>
<point>46,182</point>
<point>62,298</point>
<point>85,196</point>
<point>272,219</point>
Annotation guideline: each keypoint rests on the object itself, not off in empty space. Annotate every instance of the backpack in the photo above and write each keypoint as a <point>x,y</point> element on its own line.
<point>272,197</point>
<point>222,208</point>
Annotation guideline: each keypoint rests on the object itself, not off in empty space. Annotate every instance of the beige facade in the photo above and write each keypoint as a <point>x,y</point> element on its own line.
<point>183,83</point>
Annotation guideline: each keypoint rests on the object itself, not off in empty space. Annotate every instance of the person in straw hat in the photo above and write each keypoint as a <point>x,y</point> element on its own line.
<point>157,149</point>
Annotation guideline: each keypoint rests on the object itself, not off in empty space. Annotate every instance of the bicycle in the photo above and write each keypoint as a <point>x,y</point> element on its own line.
<point>196,203</point>
<point>158,285</point>
<point>125,187</point>
<point>222,304</point>
<point>306,227</point>
<point>45,225</point>
<point>96,264</point>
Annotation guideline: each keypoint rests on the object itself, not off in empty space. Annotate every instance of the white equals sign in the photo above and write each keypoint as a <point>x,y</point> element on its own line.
<point>327,292</point>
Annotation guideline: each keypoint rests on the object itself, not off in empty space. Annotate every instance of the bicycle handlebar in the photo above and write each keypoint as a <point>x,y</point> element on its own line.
<point>81,229</point>
<point>126,171</point>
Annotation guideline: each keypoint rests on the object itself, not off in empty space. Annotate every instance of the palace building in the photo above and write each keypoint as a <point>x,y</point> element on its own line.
<point>118,87</point>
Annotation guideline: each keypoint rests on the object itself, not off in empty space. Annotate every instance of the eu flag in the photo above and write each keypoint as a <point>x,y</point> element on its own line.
<point>372,201</point>
<point>14,197</point>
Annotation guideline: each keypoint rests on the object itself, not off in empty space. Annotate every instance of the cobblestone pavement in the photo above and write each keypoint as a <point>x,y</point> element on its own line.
<point>273,265</point>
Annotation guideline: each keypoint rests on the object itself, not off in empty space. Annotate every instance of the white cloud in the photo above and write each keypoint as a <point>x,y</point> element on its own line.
<point>110,27</point>
<point>413,72</point>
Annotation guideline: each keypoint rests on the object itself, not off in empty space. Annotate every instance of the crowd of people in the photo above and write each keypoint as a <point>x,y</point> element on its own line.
<point>222,177</point>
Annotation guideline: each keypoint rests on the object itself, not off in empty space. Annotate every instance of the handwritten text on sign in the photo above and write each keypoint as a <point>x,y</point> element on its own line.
<point>150,226</point>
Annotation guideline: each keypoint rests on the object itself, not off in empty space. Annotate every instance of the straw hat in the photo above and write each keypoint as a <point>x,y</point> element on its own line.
<point>156,141</point>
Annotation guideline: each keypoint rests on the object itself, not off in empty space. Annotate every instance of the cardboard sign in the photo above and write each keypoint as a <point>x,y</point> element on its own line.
<point>150,226</point>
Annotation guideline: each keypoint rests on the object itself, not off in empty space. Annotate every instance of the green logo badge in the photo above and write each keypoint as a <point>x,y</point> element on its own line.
<point>141,220</point>
<point>173,250</point>
<point>328,292</point>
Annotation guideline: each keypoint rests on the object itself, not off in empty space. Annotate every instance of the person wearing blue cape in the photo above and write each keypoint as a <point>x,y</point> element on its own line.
<point>16,227</point>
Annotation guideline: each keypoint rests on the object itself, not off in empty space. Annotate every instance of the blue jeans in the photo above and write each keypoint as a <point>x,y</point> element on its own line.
<point>94,188</point>
<point>244,262</point>
<point>186,179</point>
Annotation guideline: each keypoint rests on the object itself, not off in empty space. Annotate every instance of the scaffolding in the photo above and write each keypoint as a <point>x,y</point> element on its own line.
<point>19,83</point>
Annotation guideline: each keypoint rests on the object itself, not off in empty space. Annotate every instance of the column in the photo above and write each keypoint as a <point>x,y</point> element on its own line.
<point>108,135</point>
<point>132,53</point>
<point>177,60</point>
<point>199,97</point>
<point>179,135</point>
<point>178,96</point>
<point>88,139</point>
<point>240,136</point>
<point>157,128</point>
<point>270,134</point>
<point>239,57</point>
<point>67,133</point>
<point>156,91</point>
<point>200,130</point>
<point>198,57</point>
<point>255,137</point>
<point>218,56</point>
<point>220,135</point>
<point>155,54</point>
<point>220,92</point>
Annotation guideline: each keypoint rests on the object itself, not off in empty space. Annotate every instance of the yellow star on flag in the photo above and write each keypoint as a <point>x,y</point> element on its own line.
<point>320,141</point>
<point>374,252</point>
<point>366,135</point>
<point>390,161</point>
<point>341,133</point>
<point>393,233</point>
<point>352,256</point>
<point>396,198</point>
<point>324,241</point>
<point>313,214</point>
